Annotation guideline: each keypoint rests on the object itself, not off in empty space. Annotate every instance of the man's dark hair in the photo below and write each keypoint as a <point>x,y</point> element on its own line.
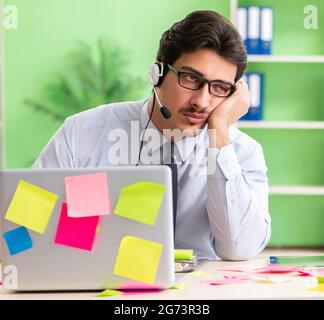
<point>203,29</point>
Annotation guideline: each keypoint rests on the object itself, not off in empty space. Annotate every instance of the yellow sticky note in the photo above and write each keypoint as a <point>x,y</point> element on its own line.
<point>140,202</point>
<point>318,288</point>
<point>138,259</point>
<point>199,274</point>
<point>110,293</point>
<point>31,207</point>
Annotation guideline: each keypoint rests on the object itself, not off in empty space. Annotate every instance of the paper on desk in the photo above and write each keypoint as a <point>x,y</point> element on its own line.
<point>17,240</point>
<point>198,274</point>
<point>318,288</point>
<point>224,281</point>
<point>138,259</point>
<point>140,202</point>
<point>76,232</point>
<point>269,279</point>
<point>277,268</point>
<point>31,207</point>
<point>180,286</point>
<point>87,195</point>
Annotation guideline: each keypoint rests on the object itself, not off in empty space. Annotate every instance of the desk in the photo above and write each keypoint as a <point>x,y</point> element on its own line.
<point>293,289</point>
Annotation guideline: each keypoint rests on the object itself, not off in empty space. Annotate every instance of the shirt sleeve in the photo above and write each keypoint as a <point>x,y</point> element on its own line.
<point>237,203</point>
<point>59,151</point>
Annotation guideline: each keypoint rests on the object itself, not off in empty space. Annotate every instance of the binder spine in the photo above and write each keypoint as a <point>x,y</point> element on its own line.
<point>253,32</point>
<point>242,24</point>
<point>256,87</point>
<point>245,78</point>
<point>266,30</point>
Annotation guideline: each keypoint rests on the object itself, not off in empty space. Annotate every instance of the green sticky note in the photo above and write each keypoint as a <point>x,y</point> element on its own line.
<point>180,286</point>
<point>138,259</point>
<point>110,293</point>
<point>320,279</point>
<point>140,202</point>
<point>183,254</point>
<point>31,207</point>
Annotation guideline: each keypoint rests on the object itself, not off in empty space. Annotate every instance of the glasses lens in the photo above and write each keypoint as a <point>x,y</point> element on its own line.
<point>189,81</point>
<point>220,89</point>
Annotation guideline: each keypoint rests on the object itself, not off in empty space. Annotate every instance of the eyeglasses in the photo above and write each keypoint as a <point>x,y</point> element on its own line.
<point>192,81</point>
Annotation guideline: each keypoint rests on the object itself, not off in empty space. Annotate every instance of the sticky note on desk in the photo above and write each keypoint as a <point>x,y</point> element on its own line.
<point>183,254</point>
<point>87,195</point>
<point>138,259</point>
<point>140,202</point>
<point>31,207</point>
<point>278,268</point>
<point>110,293</point>
<point>76,232</point>
<point>17,240</point>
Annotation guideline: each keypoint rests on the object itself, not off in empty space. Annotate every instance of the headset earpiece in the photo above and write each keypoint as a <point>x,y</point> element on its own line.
<point>155,73</point>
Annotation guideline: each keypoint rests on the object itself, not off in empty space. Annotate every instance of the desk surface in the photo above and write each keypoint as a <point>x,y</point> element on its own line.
<point>295,288</point>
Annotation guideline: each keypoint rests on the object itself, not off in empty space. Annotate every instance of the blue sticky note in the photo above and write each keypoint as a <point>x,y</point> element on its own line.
<point>18,240</point>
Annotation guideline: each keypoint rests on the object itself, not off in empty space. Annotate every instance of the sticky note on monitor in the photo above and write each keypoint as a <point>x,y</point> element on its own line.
<point>31,207</point>
<point>140,202</point>
<point>76,232</point>
<point>138,259</point>
<point>17,240</point>
<point>87,195</point>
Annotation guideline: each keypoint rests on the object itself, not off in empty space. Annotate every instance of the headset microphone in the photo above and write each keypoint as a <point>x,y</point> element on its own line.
<point>155,76</point>
<point>164,110</point>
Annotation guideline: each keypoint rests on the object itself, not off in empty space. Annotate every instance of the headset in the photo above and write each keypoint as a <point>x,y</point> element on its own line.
<point>155,75</point>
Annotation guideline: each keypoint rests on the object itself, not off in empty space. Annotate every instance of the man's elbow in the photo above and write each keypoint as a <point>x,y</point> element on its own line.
<point>238,252</point>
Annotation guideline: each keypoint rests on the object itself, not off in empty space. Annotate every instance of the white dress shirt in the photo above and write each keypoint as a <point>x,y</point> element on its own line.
<point>221,215</point>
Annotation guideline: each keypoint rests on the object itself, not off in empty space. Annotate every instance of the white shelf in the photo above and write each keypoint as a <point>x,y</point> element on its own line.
<point>281,124</point>
<point>297,190</point>
<point>286,58</point>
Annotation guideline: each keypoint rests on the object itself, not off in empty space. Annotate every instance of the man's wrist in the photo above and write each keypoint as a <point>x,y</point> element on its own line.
<point>218,135</point>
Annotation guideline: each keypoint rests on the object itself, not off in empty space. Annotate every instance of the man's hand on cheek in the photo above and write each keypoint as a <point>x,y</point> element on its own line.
<point>232,108</point>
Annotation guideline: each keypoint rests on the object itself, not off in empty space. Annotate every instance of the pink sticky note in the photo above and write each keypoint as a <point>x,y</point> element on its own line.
<point>277,268</point>
<point>139,286</point>
<point>304,274</point>
<point>76,232</point>
<point>135,292</point>
<point>87,195</point>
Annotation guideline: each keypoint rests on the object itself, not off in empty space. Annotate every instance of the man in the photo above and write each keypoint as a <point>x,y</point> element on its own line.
<point>222,191</point>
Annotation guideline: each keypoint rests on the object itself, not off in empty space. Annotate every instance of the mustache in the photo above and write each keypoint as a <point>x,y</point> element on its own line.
<point>192,109</point>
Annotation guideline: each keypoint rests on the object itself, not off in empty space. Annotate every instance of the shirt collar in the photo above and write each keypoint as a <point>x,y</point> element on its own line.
<point>183,148</point>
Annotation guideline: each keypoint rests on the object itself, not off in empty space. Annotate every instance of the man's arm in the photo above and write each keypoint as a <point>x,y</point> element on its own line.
<point>238,203</point>
<point>237,199</point>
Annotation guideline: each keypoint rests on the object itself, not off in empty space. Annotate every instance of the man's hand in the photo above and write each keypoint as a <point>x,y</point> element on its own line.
<point>227,113</point>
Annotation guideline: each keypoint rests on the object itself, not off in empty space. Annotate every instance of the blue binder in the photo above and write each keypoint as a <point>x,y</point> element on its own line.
<point>256,88</point>
<point>253,30</point>
<point>245,78</point>
<point>255,81</point>
<point>266,33</point>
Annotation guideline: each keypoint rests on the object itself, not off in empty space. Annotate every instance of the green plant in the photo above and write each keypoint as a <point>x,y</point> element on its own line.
<point>91,77</point>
